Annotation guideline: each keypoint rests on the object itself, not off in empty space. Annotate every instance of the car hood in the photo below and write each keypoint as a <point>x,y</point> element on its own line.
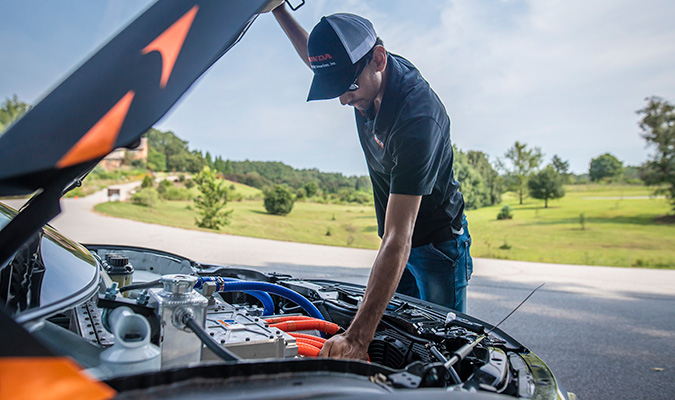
<point>120,91</point>
<point>110,101</point>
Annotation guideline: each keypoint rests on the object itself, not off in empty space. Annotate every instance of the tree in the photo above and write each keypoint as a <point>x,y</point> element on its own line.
<point>12,109</point>
<point>658,129</point>
<point>524,161</point>
<point>605,166</point>
<point>279,200</point>
<point>546,184</point>
<point>228,167</point>
<point>311,188</point>
<point>156,160</point>
<point>211,200</point>
<point>208,161</point>
<point>148,181</point>
<point>491,180</point>
<point>479,183</point>
<point>561,167</point>
<point>470,182</point>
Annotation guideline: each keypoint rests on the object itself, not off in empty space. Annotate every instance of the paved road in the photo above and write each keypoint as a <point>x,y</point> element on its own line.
<point>607,333</point>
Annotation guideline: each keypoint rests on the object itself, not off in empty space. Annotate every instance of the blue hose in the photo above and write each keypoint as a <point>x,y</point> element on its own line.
<point>265,299</point>
<point>297,298</point>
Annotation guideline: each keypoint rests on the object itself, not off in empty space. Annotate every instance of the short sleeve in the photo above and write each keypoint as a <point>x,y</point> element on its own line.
<point>417,150</point>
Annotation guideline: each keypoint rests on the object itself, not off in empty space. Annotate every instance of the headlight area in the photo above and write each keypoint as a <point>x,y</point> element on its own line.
<point>171,314</point>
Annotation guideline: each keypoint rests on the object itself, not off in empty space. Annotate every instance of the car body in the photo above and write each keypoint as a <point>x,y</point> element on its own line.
<point>145,322</point>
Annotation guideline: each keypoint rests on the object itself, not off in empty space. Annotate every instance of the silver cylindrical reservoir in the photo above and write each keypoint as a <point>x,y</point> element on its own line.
<point>172,303</point>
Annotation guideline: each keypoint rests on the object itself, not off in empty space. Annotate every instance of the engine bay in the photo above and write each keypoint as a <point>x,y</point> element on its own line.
<point>156,312</point>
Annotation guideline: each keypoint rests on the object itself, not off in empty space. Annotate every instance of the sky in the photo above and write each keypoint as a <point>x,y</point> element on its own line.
<point>566,76</point>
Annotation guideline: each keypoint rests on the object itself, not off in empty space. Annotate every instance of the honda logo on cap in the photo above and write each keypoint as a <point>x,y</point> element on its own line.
<point>322,57</point>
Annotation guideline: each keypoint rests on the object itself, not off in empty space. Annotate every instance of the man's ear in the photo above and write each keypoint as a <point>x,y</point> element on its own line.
<point>380,58</point>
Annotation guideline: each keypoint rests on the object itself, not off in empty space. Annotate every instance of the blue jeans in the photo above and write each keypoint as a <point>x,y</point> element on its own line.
<point>439,272</point>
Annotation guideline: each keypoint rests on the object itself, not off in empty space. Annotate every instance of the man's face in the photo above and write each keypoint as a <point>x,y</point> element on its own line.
<point>369,85</point>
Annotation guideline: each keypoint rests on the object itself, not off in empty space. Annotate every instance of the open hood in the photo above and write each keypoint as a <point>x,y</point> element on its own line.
<point>121,91</point>
<point>111,100</point>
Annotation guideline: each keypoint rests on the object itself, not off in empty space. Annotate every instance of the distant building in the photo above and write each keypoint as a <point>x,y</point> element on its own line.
<point>116,158</point>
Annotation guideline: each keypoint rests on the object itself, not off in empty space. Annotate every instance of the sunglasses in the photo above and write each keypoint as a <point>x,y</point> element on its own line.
<point>355,86</point>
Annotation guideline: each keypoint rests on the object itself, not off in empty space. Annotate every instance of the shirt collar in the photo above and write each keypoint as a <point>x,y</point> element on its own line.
<point>385,115</point>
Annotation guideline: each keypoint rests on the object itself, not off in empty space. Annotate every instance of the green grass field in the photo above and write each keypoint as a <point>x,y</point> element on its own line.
<point>621,227</point>
<point>336,225</point>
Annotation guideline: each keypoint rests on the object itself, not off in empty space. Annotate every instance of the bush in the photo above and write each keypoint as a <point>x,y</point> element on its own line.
<point>279,200</point>
<point>189,183</point>
<point>505,213</point>
<point>235,196</point>
<point>177,193</point>
<point>145,197</point>
<point>148,182</point>
<point>163,186</point>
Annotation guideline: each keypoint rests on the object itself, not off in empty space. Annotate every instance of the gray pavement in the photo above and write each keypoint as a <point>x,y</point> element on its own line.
<point>607,333</point>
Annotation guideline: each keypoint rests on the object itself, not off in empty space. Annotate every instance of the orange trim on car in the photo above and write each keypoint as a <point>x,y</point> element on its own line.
<point>100,139</point>
<point>48,378</point>
<point>170,42</point>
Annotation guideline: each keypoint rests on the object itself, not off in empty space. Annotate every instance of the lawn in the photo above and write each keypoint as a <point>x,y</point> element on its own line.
<point>337,225</point>
<point>620,227</point>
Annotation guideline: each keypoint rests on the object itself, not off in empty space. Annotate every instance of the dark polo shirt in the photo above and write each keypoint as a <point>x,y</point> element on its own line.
<point>408,151</point>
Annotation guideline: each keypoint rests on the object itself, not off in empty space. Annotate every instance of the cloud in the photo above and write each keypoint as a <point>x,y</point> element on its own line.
<point>563,75</point>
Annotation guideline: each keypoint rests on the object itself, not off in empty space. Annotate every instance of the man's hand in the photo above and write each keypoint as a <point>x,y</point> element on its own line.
<point>341,346</point>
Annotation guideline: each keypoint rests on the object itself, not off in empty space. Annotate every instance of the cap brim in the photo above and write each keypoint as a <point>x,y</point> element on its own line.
<point>330,86</point>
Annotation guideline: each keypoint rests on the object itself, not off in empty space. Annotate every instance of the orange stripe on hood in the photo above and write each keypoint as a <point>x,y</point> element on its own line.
<point>100,139</point>
<point>48,378</point>
<point>170,42</point>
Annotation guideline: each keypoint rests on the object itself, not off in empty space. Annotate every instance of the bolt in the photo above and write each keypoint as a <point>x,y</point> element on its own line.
<point>111,291</point>
<point>143,298</point>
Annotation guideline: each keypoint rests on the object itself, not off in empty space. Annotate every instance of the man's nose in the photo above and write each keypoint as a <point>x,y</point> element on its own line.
<point>345,98</point>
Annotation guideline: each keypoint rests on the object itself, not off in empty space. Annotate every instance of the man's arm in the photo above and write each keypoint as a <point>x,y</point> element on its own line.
<point>297,35</point>
<point>384,278</point>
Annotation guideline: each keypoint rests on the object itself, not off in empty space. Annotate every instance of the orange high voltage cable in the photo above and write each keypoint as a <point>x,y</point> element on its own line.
<point>307,350</point>
<point>276,320</point>
<point>306,325</point>
<point>305,336</point>
<point>314,343</point>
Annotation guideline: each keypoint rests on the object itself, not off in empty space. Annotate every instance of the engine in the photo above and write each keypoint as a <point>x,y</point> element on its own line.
<point>177,313</point>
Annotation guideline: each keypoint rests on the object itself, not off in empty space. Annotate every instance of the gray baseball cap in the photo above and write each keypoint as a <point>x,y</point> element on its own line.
<point>335,46</point>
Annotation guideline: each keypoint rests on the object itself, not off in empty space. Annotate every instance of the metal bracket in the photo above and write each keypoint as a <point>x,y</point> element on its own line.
<point>302,3</point>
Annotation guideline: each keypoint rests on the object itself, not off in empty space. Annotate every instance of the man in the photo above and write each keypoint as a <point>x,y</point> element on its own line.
<point>405,135</point>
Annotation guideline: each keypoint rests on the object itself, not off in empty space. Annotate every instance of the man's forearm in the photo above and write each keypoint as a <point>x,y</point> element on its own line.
<point>382,283</point>
<point>296,33</point>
